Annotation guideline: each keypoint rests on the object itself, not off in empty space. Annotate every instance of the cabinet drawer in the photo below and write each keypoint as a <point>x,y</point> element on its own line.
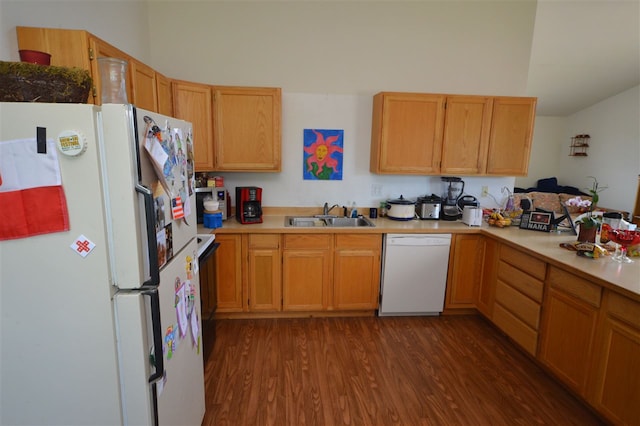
<point>522,334</point>
<point>264,240</point>
<point>307,241</point>
<point>524,262</point>
<point>624,308</point>
<point>358,241</point>
<point>575,286</point>
<point>518,304</point>
<point>523,282</point>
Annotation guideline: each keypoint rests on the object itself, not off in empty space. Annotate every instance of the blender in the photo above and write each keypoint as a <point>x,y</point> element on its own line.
<point>452,189</point>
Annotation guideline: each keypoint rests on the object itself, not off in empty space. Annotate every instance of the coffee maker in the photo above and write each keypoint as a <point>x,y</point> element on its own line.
<point>452,189</point>
<point>249,204</point>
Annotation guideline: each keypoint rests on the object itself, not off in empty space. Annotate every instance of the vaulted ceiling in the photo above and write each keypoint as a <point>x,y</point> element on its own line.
<point>583,51</point>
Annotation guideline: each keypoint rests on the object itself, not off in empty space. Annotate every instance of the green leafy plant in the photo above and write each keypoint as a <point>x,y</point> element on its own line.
<point>590,221</point>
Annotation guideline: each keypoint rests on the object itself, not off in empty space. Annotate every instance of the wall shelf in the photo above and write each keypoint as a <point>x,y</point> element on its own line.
<point>579,146</point>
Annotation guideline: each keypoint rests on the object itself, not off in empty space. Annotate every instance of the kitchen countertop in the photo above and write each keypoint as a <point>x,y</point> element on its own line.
<point>623,278</point>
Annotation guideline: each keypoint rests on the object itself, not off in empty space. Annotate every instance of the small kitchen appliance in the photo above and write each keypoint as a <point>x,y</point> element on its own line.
<point>428,207</point>
<point>472,215</point>
<point>452,189</point>
<point>401,209</point>
<point>214,194</point>
<point>249,204</point>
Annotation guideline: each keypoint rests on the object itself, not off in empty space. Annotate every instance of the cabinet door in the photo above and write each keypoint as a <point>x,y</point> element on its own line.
<point>144,93</point>
<point>101,49</point>
<point>485,292</point>
<point>465,270</point>
<point>356,279</point>
<point>264,272</point>
<point>406,134</point>
<point>617,361</point>
<point>568,327</point>
<point>466,135</point>
<point>511,134</point>
<point>306,272</point>
<point>165,98</point>
<point>228,273</point>
<point>247,129</point>
<point>192,102</point>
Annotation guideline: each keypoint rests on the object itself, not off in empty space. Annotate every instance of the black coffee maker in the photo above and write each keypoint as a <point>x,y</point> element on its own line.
<point>248,204</point>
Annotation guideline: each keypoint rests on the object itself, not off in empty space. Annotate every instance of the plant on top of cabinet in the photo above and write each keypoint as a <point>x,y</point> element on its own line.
<point>81,49</point>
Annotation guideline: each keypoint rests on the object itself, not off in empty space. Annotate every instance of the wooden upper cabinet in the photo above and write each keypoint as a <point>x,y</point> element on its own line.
<point>165,97</point>
<point>511,134</point>
<point>247,134</point>
<point>431,134</point>
<point>193,102</point>
<point>81,49</point>
<point>144,86</point>
<point>68,48</point>
<point>406,134</point>
<point>466,135</point>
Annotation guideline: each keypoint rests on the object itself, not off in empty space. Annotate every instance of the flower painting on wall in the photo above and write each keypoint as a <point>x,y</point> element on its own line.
<point>322,154</point>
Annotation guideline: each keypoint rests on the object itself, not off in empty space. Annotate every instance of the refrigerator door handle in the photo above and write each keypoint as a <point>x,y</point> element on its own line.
<point>154,269</point>
<point>157,334</point>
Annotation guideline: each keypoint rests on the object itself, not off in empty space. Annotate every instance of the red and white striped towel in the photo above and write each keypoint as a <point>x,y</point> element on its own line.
<point>32,200</point>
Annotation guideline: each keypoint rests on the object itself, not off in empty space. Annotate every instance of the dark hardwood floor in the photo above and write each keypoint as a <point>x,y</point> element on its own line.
<point>451,370</point>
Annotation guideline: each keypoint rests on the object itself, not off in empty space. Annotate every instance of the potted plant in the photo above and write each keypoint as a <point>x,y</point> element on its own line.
<point>589,223</point>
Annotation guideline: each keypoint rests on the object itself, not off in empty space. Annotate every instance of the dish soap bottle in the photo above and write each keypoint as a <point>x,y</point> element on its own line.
<point>354,210</point>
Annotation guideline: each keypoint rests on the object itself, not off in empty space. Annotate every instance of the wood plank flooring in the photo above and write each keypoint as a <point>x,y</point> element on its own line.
<point>452,370</point>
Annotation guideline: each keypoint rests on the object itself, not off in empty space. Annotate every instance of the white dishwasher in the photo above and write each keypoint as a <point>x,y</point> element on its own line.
<point>414,274</point>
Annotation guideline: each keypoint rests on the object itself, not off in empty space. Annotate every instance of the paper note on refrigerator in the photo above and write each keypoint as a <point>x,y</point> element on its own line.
<point>181,310</point>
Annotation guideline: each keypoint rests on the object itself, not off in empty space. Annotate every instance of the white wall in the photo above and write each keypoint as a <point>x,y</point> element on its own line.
<point>613,156</point>
<point>614,152</point>
<point>341,47</point>
<point>352,114</point>
<point>546,148</point>
<point>122,23</point>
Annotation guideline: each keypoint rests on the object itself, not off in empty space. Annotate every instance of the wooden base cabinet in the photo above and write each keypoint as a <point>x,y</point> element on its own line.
<point>465,270</point>
<point>264,272</point>
<point>518,296</point>
<point>569,325</point>
<point>616,367</point>
<point>485,292</point>
<point>356,279</point>
<point>306,272</point>
<point>229,288</point>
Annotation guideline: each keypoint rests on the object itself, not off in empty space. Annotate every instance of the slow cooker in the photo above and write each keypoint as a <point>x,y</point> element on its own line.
<point>401,209</point>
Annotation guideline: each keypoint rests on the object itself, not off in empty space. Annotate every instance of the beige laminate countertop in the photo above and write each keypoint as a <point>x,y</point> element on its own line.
<point>624,278</point>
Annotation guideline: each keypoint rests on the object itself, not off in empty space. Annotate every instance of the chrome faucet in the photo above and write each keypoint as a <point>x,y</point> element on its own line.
<point>326,209</point>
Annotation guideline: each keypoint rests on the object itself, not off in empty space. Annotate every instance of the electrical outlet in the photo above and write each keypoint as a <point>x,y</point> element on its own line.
<point>376,189</point>
<point>485,191</point>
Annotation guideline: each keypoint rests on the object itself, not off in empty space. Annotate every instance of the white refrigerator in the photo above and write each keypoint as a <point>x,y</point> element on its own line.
<point>99,285</point>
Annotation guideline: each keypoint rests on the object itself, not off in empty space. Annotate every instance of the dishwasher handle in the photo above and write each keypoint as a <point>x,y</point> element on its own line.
<point>418,240</point>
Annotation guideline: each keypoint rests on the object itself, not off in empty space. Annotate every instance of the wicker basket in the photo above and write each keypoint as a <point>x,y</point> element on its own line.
<point>26,82</point>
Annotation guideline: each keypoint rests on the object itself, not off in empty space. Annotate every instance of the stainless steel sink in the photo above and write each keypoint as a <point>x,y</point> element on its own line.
<point>349,221</point>
<point>303,221</point>
<point>324,221</point>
